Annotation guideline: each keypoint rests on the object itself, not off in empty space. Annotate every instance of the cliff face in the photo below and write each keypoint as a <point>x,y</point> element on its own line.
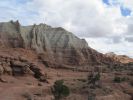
<point>56,46</point>
<point>10,34</point>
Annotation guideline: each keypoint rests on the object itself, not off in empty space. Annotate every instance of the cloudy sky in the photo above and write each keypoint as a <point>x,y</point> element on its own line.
<point>107,25</point>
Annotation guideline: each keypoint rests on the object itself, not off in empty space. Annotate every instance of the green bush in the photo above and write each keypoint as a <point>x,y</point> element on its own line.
<point>97,77</point>
<point>92,96</point>
<point>119,79</point>
<point>124,79</point>
<point>93,78</point>
<point>60,90</point>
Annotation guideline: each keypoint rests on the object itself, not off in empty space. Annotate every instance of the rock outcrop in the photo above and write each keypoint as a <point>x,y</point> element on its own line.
<point>119,58</point>
<point>17,67</point>
<point>55,46</point>
<point>10,34</point>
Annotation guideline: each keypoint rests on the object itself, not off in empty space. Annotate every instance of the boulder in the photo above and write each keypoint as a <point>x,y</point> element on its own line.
<point>7,69</point>
<point>20,68</point>
<point>38,73</point>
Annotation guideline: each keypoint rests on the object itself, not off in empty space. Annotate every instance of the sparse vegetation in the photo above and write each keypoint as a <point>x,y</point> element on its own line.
<point>91,96</point>
<point>60,90</point>
<point>118,79</point>
<point>93,78</point>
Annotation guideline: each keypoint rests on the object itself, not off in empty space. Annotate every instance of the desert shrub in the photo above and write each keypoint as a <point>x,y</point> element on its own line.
<point>93,78</point>
<point>60,90</point>
<point>97,77</point>
<point>91,96</point>
<point>124,79</point>
<point>119,79</point>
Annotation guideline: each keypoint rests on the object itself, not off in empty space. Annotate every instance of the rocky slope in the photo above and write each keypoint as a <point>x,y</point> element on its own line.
<point>119,58</point>
<point>19,66</point>
<point>25,50</point>
<point>56,46</point>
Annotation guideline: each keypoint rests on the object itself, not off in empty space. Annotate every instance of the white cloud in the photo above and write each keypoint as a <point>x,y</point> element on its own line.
<point>84,18</point>
<point>127,3</point>
<point>91,19</point>
<point>122,47</point>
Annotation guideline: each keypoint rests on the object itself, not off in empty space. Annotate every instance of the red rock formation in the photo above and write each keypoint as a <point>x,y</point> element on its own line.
<point>56,46</point>
<point>119,58</point>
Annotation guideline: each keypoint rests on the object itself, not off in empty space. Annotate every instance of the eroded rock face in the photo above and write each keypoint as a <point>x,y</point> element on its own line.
<point>10,34</point>
<point>120,58</point>
<point>18,67</point>
<point>56,46</point>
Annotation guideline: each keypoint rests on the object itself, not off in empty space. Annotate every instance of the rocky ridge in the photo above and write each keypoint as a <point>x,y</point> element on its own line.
<point>119,58</point>
<point>27,51</point>
<point>56,46</point>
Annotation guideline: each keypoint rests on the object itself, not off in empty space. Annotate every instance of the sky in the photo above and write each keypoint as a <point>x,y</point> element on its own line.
<point>107,25</point>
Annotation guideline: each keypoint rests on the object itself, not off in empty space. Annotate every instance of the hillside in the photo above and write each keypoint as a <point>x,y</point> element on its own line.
<point>34,58</point>
<point>119,58</point>
<point>56,46</point>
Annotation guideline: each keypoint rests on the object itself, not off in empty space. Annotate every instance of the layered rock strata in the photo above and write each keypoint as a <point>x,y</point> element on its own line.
<point>18,67</point>
<point>55,46</point>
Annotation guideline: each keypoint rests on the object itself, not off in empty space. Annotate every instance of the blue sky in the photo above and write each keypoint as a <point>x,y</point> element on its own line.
<point>22,1</point>
<point>105,24</point>
<point>106,2</point>
<point>124,11</point>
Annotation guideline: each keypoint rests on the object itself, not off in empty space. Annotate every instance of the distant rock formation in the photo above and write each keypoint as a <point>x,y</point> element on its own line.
<point>119,58</point>
<point>55,46</point>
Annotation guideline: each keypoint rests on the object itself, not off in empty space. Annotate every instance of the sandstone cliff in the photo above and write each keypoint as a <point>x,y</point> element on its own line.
<point>55,46</point>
